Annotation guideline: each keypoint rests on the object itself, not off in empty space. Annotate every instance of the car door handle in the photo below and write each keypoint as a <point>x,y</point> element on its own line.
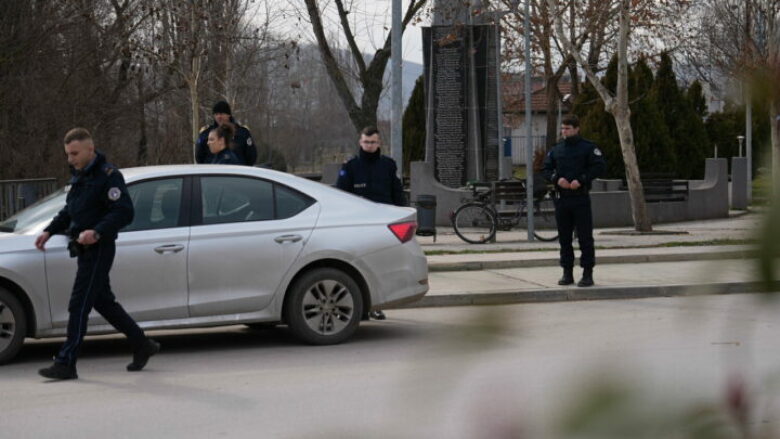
<point>173,248</point>
<point>284,238</point>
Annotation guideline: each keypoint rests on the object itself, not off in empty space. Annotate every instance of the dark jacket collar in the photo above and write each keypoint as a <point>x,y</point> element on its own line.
<point>573,140</point>
<point>370,156</point>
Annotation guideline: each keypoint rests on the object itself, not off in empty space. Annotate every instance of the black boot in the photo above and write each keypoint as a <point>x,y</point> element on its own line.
<point>568,276</point>
<point>141,355</point>
<point>587,278</point>
<point>59,371</point>
<point>377,315</point>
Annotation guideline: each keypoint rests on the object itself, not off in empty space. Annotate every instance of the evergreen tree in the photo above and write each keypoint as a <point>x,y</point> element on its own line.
<point>695,96</point>
<point>414,126</point>
<point>599,126</point>
<point>654,145</point>
<point>690,140</point>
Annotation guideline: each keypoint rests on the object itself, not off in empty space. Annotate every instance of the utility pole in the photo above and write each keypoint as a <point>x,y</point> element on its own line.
<point>529,146</point>
<point>396,118</point>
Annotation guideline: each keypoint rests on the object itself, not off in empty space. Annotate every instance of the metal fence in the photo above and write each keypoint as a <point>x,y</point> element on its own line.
<point>518,147</point>
<point>15,195</point>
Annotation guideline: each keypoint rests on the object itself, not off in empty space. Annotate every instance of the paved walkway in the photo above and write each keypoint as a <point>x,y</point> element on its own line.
<point>699,257</point>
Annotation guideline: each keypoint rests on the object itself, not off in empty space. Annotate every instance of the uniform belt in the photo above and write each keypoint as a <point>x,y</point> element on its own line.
<point>572,192</point>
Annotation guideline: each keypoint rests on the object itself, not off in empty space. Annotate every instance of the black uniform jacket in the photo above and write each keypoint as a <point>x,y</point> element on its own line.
<point>574,159</point>
<point>98,200</point>
<point>225,157</point>
<point>372,176</point>
<point>242,145</point>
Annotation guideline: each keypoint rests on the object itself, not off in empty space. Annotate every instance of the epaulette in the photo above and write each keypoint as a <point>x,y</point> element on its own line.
<point>108,169</point>
<point>203,128</point>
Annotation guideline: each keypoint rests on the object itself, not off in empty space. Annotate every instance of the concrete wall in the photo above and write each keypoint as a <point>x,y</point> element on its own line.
<point>707,198</point>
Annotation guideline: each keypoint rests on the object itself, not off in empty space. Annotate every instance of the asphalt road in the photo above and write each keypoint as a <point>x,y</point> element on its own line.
<point>467,372</point>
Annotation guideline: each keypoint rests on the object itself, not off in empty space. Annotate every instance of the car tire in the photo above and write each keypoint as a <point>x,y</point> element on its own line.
<point>324,306</point>
<point>13,326</point>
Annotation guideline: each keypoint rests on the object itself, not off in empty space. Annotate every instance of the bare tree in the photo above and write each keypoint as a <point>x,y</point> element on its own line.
<point>616,105</point>
<point>369,72</point>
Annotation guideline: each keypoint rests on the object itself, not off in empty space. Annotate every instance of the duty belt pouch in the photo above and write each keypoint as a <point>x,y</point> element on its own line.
<point>75,249</point>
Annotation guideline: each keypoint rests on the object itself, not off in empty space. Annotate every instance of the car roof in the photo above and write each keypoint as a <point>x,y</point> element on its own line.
<point>146,172</point>
<point>339,202</point>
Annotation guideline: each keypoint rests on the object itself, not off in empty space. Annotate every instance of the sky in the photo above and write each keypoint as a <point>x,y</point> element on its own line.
<point>371,22</point>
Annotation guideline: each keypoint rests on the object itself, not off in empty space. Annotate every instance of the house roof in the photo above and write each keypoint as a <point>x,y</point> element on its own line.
<point>513,86</point>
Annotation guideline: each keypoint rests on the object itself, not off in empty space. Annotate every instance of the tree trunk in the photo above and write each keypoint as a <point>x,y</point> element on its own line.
<point>622,114</point>
<point>635,190</point>
<point>774,124</point>
<point>193,86</point>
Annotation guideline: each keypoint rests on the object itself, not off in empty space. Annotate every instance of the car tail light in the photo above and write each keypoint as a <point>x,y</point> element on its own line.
<point>403,231</point>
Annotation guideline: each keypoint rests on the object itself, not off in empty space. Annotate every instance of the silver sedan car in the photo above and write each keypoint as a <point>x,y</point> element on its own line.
<point>220,245</point>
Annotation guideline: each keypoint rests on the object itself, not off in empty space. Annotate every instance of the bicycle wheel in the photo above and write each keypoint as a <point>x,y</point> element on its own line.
<point>545,227</point>
<point>474,223</point>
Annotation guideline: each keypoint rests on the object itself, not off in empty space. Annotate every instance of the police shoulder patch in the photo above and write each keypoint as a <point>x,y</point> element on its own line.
<point>597,151</point>
<point>249,141</point>
<point>114,193</point>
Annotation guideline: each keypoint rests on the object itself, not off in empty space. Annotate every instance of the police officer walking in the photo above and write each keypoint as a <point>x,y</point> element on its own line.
<point>97,207</point>
<point>241,143</point>
<point>571,166</point>
<point>372,175</point>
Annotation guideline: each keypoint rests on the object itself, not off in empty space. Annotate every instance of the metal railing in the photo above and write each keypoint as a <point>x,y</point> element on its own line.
<point>15,195</point>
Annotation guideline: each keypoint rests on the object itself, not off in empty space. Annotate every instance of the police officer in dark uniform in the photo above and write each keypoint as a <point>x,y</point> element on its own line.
<point>241,143</point>
<point>571,166</point>
<point>372,175</point>
<point>97,207</point>
<point>219,139</point>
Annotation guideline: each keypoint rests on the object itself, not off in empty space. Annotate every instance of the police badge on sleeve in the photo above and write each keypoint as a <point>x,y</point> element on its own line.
<point>114,193</point>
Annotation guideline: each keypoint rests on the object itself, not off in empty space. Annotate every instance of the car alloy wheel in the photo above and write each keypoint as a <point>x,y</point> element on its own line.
<point>13,326</point>
<point>324,306</point>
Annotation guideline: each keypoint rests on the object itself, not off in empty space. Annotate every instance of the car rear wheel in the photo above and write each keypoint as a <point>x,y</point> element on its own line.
<point>324,307</point>
<point>13,326</point>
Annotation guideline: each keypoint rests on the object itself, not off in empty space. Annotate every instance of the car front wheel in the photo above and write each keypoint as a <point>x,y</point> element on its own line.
<point>13,326</point>
<point>324,307</point>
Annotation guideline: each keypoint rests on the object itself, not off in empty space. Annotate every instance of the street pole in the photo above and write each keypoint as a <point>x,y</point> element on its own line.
<point>529,153</point>
<point>396,128</point>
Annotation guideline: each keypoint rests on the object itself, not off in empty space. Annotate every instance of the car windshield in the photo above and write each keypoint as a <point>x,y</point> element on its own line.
<point>43,210</point>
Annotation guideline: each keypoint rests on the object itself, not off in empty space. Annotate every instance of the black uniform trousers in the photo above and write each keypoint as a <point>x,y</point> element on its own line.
<point>92,290</point>
<point>573,212</point>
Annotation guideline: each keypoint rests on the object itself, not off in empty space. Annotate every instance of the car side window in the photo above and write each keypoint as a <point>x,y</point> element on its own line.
<point>236,199</point>
<point>157,204</point>
<point>290,202</point>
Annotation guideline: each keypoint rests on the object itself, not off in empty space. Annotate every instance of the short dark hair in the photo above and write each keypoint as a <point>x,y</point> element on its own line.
<point>226,132</point>
<point>572,121</point>
<point>77,134</point>
<point>369,131</point>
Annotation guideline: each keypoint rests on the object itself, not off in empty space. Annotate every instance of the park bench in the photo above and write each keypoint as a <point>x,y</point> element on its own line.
<point>659,187</point>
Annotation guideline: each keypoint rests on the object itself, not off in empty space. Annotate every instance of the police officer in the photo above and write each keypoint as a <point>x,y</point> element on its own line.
<point>219,138</point>
<point>242,144</point>
<point>97,207</point>
<point>372,175</point>
<point>571,166</point>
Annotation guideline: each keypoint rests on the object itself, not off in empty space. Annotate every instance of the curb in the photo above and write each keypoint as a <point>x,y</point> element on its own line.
<point>576,294</point>
<point>554,262</point>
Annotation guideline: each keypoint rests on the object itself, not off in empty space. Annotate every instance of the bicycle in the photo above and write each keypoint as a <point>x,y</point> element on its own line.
<point>477,219</point>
